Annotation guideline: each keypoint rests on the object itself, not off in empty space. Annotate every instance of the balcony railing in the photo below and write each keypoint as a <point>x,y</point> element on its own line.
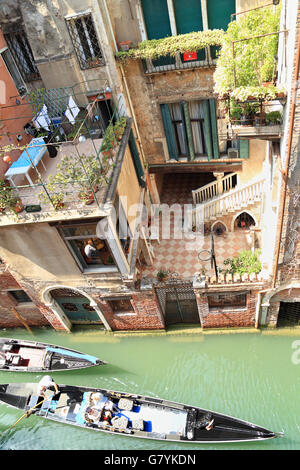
<point>67,178</point>
<point>202,58</point>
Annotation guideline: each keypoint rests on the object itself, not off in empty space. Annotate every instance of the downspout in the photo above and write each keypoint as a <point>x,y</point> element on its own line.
<point>124,81</point>
<point>285,172</point>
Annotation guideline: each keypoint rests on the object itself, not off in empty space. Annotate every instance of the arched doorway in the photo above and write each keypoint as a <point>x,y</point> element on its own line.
<point>289,314</point>
<point>76,306</point>
<point>244,221</point>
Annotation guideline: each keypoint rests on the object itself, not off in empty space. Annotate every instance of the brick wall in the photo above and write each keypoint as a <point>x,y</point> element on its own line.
<point>146,315</point>
<point>224,318</point>
<point>147,92</point>
<point>30,312</point>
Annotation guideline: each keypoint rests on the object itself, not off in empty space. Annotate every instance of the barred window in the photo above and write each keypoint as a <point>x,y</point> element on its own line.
<point>21,51</point>
<point>228,300</point>
<point>84,38</point>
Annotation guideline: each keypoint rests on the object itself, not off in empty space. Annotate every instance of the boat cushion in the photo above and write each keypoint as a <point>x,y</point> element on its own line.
<point>120,421</point>
<point>138,424</point>
<point>125,404</point>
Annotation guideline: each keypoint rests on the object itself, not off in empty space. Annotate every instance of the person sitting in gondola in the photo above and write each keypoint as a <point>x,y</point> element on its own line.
<point>92,414</point>
<point>106,416</point>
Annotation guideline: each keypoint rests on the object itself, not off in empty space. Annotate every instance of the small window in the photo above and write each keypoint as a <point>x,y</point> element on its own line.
<point>88,250</point>
<point>20,296</point>
<point>14,71</point>
<point>121,305</point>
<point>22,54</point>
<point>230,300</point>
<point>85,41</point>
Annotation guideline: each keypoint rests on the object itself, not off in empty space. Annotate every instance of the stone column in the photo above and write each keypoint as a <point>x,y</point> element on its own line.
<point>219,177</point>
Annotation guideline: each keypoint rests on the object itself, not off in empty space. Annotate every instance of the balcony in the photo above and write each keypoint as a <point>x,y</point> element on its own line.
<point>181,52</point>
<point>255,118</point>
<point>69,176</point>
<point>187,61</point>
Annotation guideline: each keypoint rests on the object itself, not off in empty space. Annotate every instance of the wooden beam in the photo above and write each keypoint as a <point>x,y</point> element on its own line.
<point>21,319</point>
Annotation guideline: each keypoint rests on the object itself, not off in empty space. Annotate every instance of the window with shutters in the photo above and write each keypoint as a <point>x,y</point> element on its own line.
<point>20,50</point>
<point>85,41</point>
<point>191,129</point>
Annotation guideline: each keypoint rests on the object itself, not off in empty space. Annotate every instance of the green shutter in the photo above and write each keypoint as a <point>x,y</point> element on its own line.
<point>244,148</point>
<point>207,129</point>
<point>218,13</point>
<point>214,127</point>
<point>188,16</point>
<point>169,131</point>
<point>136,159</point>
<point>188,131</point>
<point>156,16</point>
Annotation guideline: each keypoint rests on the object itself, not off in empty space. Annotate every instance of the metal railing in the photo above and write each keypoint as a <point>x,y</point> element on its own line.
<point>165,64</point>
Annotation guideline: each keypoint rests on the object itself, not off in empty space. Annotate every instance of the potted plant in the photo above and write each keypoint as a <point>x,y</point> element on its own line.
<point>125,45</point>
<point>54,192</point>
<point>235,113</point>
<point>273,118</point>
<point>162,275</point>
<point>9,198</point>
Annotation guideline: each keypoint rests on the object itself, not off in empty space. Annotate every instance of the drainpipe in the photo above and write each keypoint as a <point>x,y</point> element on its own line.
<point>124,80</point>
<point>285,172</point>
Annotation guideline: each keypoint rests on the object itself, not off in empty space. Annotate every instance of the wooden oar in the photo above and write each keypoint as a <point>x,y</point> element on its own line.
<point>2,442</point>
<point>28,412</point>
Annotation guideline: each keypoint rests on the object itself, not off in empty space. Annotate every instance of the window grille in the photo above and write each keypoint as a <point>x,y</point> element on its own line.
<point>84,38</point>
<point>22,54</point>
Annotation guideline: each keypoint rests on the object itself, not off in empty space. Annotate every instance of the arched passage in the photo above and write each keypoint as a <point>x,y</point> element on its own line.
<point>244,220</point>
<point>74,307</point>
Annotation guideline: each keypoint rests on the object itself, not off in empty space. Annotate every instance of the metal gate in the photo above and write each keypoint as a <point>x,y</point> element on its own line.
<point>178,302</point>
<point>289,314</point>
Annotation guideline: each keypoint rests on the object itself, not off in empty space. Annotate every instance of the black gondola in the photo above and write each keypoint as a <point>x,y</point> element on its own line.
<point>132,415</point>
<point>29,356</point>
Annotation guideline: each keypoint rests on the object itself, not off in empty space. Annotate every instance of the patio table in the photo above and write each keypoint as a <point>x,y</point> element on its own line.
<point>28,159</point>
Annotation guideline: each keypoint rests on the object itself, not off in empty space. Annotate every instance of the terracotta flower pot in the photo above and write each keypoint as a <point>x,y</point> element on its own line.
<point>125,45</point>
<point>18,207</point>
<point>87,197</point>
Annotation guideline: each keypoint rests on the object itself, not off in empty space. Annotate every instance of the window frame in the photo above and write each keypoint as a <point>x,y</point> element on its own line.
<point>15,53</point>
<point>96,268</point>
<point>76,40</point>
<point>20,302</point>
<point>2,51</point>
<point>228,307</point>
<point>131,312</point>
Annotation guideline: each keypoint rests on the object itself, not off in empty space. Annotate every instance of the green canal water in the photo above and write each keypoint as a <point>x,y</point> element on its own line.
<point>252,375</point>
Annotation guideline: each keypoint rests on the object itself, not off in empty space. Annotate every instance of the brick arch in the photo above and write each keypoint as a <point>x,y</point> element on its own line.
<point>72,292</point>
<point>270,307</point>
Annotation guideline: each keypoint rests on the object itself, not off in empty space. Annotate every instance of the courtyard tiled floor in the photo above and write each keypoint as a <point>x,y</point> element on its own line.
<point>177,250</point>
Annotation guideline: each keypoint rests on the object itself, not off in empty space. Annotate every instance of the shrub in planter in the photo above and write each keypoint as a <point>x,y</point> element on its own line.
<point>162,275</point>
<point>273,118</point>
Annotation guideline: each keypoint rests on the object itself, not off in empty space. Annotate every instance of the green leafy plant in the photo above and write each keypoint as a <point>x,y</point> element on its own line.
<point>170,46</point>
<point>246,262</point>
<point>253,62</point>
<point>9,198</point>
<point>274,117</point>
<point>162,274</point>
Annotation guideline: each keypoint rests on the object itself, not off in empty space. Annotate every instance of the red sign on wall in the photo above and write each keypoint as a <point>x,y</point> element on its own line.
<point>189,56</point>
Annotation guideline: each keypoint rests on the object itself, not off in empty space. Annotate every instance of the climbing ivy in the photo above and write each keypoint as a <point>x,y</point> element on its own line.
<point>169,46</point>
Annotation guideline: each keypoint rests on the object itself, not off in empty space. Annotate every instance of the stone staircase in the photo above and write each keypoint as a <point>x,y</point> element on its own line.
<point>214,189</point>
<point>234,200</point>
